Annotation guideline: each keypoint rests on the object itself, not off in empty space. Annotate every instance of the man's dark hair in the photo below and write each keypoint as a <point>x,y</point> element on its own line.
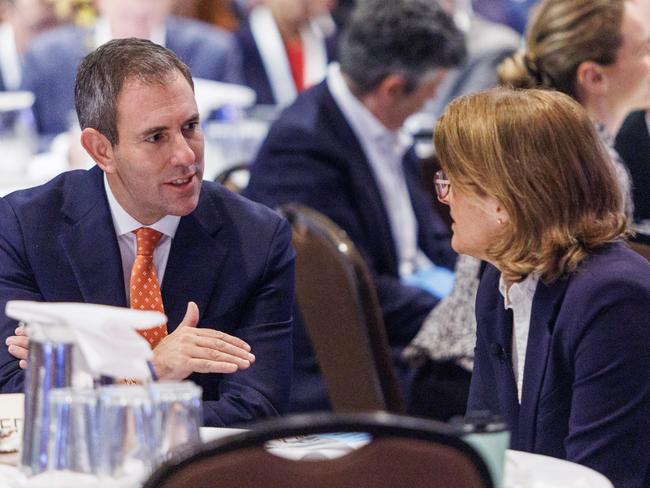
<point>406,37</point>
<point>102,74</point>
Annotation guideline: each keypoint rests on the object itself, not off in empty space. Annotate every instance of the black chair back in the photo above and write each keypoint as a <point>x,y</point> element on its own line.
<point>340,310</point>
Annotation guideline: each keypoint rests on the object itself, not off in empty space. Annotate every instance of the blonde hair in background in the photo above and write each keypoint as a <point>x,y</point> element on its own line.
<point>537,153</point>
<point>561,34</point>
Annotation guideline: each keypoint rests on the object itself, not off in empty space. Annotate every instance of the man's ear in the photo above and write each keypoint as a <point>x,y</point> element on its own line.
<point>100,149</point>
<point>591,78</point>
<point>392,87</point>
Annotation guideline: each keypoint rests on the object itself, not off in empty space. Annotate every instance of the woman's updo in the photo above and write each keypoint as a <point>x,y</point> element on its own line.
<point>560,36</point>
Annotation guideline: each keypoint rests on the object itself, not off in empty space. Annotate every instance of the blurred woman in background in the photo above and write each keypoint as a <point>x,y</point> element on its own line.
<point>562,309</point>
<point>596,51</point>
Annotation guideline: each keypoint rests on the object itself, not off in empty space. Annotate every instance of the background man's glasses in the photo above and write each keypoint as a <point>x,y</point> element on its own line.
<point>442,185</point>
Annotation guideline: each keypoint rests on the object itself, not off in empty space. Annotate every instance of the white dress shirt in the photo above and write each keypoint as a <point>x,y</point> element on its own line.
<point>385,151</point>
<point>519,298</point>
<point>9,58</point>
<point>125,225</point>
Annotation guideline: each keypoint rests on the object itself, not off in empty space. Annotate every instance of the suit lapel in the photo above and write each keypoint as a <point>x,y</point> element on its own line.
<point>195,261</point>
<point>366,187</point>
<point>497,329</point>
<point>544,311</point>
<point>90,244</point>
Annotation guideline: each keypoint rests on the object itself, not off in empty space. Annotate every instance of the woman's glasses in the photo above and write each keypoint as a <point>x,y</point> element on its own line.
<point>442,185</point>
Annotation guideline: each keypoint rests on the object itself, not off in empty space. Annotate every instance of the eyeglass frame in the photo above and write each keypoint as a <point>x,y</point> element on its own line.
<point>442,185</point>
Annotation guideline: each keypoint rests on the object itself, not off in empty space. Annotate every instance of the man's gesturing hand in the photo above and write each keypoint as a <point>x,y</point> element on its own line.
<point>190,350</point>
<point>18,346</point>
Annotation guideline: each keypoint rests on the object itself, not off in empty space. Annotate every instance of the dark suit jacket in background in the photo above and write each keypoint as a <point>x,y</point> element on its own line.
<point>252,72</point>
<point>230,256</point>
<point>312,156</point>
<point>586,387</point>
<point>50,64</point>
<point>633,145</point>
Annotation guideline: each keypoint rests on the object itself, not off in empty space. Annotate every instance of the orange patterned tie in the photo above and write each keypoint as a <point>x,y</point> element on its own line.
<point>145,289</point>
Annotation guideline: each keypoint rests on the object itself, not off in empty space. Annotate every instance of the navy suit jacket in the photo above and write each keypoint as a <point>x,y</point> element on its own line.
<point>633,145</point>
<point>50,64</point>
<point>231,256</point>
<point>586,387</point>
<point>312,156</point>
<point>253,73</point>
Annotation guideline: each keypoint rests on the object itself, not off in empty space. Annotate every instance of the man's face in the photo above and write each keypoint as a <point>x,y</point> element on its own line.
<point>407,103</point>
<point>37,15</point>
<point>134,18</point>
<point>629,75</point>
<point>300,10</point>
<point>157,166</point>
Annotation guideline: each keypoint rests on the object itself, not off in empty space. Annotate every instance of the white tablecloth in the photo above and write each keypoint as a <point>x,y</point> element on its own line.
<point>523,470</point>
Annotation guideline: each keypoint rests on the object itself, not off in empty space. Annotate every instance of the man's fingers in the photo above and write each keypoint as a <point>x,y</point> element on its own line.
<point>220,356</point>
<point>20,341</point>
<point>18,352</point>
<point>20,331</point>
<point>218,335</point>
<point>219,345</point>
<point>191,318</point>
<point>208,366</point>
<point>23,364</point>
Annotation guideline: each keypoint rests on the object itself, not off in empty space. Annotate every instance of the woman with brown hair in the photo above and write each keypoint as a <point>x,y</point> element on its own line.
<point>596,51</point>
<point>563,343</point>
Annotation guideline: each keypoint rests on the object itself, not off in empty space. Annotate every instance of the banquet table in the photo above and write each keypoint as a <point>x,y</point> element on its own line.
<point>522,470</point>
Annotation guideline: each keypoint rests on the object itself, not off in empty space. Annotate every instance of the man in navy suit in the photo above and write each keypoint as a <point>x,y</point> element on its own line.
<point>50,64</point>
<point>225,264</point>
<point>338,148</point>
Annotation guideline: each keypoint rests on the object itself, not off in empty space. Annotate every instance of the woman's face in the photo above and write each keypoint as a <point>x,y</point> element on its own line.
<point>629,76</point>
<point>476,222</point>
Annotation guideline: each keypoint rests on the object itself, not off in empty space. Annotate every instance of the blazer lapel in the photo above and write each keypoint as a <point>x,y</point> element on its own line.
<point>546,303</point>
<point>497,329</point>
<point>195,262</point>
<point>90,243</point>
<point>366,184</point>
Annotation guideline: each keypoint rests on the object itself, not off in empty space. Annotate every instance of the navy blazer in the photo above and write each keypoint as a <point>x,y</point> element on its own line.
<point>312,156</point>
<point>252,72</point>
<point>586,386</point>
<point>231,256</point>
<point>50,64</point>
<point>633,145</point>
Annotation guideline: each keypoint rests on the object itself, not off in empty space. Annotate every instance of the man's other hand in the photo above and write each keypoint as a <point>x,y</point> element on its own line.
<point>18,346</point>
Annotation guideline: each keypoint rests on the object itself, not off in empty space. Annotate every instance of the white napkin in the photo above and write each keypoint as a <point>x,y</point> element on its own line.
<point>106,335</point>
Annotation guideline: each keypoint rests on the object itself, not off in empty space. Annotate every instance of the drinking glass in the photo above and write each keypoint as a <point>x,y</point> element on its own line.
<point>178,414</point>
<point>73,425</point>
<point>127,431</point>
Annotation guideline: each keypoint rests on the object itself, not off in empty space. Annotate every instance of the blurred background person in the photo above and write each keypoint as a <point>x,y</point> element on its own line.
<point>596,51</point>
<point>286,46</point>
<point>20,21</point>
<point>513,13</point>
<point>562,308</point>
<point>339,149</point>
<point>51,61</point>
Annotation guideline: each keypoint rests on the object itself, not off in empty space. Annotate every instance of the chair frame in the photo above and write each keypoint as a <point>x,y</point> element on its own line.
<point>369,382</point>
<point>377,424</point>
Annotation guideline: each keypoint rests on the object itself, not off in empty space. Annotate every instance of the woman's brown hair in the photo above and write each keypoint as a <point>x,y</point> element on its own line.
<point>561,35</point>
<point>537,153</point>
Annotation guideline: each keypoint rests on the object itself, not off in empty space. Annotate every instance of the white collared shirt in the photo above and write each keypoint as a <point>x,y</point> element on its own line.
<point>9,58</point>
<point>519,298</point>
<point>103,33</point>
<point>385,151</point>
<point>125,225</point>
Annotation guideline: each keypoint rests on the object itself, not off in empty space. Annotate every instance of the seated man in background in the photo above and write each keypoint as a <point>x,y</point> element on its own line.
<point>225,264</point>
<point>339,149</point>
<point>51,62</point>
<point>20,21</point>
<point>285,46</point>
